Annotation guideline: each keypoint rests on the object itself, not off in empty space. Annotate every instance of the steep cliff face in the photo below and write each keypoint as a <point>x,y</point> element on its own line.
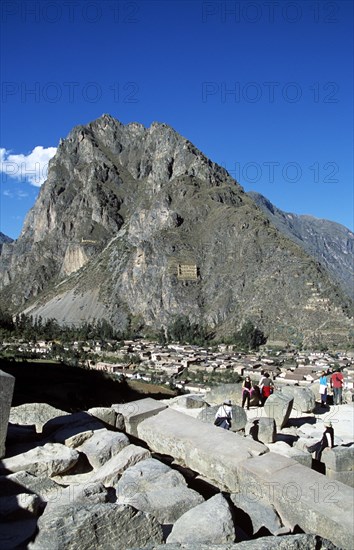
<point>136,223</point>
<point>327,242</point>
<point>3,240</point>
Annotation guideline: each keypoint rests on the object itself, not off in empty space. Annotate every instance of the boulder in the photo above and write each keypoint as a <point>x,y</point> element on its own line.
<point>192,401</point>
<point>278,406</point>
<point>304,398</point>
<point>209,523</point>
<point>36,414</point>
<point>105,414</point>
<point>262,429</point>
<point>260,512</point>
<point>282,448</point>
<point>62,428</point>
<point>109,526</point>
<point>153,487</point>
<point>339,463</point>
<point>211,451</point>
<point>137,411</point>
<point>218,394</point>
<point>102,445</point>
<point>112,470</point>
<point>50,460</point>
<point>307,444</point>
<point>300,496</point>
<point>7,383</point>
<point>85,493</point>
<point>239,416</point>
<point>22,481</point>
<point>291,542</point>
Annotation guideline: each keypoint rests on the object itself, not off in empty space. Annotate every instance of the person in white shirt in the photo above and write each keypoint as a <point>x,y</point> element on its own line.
<point>223,415</point>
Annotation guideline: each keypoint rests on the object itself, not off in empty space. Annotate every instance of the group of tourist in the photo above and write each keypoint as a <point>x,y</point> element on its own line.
<point>264,389</point>
<point>336,382</point>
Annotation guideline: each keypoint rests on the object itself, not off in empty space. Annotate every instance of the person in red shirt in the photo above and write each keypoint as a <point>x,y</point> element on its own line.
<point>337,386</point>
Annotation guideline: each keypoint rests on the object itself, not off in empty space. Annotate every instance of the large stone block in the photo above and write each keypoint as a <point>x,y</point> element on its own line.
<point>300,496</point>
<point>343,477</point>
<point>340,459</point>
<point>211,451</point>
<point>7,383</point>
<point>304,398</point>
<point>137,411</point>
<point>262,429</point>
<point>279,406</point>
<point>239,416</point>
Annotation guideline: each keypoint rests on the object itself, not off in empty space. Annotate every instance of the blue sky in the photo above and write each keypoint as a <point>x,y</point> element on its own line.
<point>263,88</point>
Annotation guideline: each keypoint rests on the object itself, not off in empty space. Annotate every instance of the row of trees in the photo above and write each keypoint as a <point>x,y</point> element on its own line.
<point>181,329</point>
<point>249,337</point>
<point>35,328</point>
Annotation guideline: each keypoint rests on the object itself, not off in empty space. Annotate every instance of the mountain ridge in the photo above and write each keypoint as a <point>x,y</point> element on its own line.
<point>330,243</point>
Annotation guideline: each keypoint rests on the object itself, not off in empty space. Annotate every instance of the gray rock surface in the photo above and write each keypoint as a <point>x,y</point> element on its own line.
<point>7,383</point>
<point>198,446</point>
<point>261,513</point>
<point>102,445</point>
<point>34,413</point>
<point>85,493</point>
<point>50,460</point>
<point>22,481</point>
<point>61,428</point>
<point>262,429</point>
<point>112,470</point>
<point>210,522</point>
<point>301,496</point>
<point>282,448</point>
<point>136,411</point>
<point>153,487</point>
<point>105,414</point>
<point>218,394</point>
<point>108,526</point>
<point>279,406</point>
<point>293,542</point>
<point>304,398</point>
<point>239,417</point>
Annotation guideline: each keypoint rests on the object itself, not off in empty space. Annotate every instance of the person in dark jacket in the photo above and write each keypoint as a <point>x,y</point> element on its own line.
<point>326,441</point>
<point>246,392</point>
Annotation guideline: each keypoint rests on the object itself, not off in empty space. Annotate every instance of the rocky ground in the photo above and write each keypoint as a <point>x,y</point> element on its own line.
<point>82,480</point>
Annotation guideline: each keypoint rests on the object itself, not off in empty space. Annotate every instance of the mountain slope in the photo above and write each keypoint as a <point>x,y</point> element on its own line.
<point>328,242</point>
<point>4,239</point>
<point>136,225</point>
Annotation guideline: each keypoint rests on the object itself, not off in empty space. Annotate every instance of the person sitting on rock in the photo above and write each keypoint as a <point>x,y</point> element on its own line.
<point>246,392</point>
<point>267,387</point>
<point>223,415</point>
<point>326,441</point>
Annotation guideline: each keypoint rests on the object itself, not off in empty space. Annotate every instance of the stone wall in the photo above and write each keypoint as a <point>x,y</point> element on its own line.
<point>7,383</point>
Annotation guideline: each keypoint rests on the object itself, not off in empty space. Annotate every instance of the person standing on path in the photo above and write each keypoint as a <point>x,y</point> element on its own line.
<point>323,389</point>
<point>337,382</point>
<point>246,392</point>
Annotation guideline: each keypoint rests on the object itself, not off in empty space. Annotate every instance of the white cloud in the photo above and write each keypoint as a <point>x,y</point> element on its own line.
<point>32,167</point>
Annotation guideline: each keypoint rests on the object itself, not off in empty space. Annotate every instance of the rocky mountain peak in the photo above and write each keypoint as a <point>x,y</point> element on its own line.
<point>137,223</point>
